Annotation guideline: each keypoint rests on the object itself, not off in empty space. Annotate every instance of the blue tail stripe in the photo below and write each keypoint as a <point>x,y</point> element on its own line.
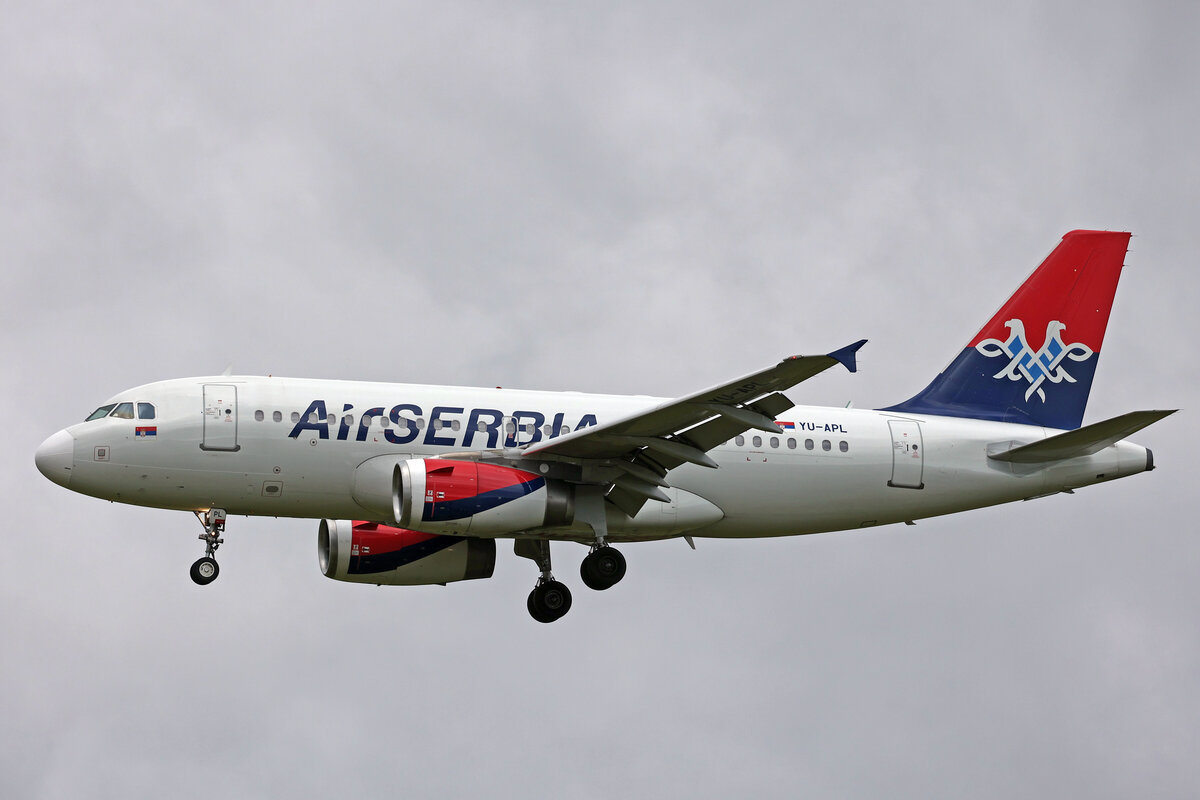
<point>968,388</point>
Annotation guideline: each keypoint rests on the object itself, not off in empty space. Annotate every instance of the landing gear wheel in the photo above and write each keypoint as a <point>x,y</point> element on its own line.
<point>205,571</point>
<point>602,568</point>
<point>549,601</point>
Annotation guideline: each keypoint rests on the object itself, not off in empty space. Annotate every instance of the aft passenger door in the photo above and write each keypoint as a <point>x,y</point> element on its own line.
<point>220,417</point>
<point>908,454</point>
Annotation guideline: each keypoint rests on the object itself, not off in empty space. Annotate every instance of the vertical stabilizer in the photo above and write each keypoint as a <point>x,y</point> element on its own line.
<point>1033,362</point>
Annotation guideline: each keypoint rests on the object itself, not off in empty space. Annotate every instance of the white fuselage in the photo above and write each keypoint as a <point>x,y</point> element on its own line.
<point>257,446</point>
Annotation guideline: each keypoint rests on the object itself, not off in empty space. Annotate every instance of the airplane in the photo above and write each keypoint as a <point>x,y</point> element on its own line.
<point>413,484</point>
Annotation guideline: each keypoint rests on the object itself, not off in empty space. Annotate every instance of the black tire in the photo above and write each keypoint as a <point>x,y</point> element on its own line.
<point>602,568</point>
<point>534,611</point>
<point>205,571</point>
<point>549,601</point>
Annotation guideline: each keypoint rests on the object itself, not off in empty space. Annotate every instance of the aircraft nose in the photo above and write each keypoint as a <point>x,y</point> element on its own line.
<point>56,456</point>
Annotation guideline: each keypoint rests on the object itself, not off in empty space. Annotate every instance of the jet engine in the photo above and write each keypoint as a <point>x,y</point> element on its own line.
<point>367,552</point>
<point>444,496</point>
<point>447,496</point>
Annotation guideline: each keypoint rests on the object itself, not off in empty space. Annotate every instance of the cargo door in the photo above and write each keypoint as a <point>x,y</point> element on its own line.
<point>220,417</point>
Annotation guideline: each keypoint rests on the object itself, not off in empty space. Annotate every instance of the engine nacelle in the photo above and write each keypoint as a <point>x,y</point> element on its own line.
<point>367,552</point>
<point>445,496</point>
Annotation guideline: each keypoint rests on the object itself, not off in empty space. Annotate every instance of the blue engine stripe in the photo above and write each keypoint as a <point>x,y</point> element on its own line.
<point>444,510</point>
<point>394,559</point>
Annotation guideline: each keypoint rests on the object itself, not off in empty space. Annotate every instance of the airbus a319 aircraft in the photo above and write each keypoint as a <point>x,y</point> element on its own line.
<point>414,484</point>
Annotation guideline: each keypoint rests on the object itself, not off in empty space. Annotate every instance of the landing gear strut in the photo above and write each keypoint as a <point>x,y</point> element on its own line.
<point>601,569</point>
<point>205,570</point>
<point>604,566</point>
<point>549,599</point>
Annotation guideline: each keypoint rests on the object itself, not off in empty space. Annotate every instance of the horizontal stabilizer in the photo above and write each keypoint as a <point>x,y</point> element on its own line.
<point>1083,441</point>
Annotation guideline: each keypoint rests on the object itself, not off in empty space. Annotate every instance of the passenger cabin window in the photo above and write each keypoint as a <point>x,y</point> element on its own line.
<point>102,411</point>
<point>145,411</point>
<point>295,417</point>
<point>123,411</point>
<point>739,440</point>
<point>277,416</point>
<point>259,416</point>
<point>844,446</point>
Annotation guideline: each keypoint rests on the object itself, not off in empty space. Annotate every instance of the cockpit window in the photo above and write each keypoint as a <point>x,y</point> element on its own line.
<point>123,411</point>
<point>102,411</point>
<point>145,411</point>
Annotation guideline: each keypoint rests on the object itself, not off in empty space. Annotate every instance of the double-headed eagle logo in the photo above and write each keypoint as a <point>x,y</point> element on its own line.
<point>1035,367</point>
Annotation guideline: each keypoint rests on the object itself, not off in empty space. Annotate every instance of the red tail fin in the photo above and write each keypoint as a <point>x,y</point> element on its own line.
<point>1033,362</point>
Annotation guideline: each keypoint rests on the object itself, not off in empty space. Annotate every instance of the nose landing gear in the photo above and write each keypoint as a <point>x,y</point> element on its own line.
<point>205,570</point>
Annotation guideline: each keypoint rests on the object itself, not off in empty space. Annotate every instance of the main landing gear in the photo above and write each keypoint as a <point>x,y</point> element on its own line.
<point>205,570</point>
<point>550,600</point>
<point>602,568</point>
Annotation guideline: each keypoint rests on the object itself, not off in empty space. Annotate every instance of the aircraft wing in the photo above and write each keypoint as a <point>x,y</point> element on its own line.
<point>646,445</point>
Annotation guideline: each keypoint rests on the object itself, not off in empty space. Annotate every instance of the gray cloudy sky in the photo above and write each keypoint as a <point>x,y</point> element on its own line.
<point>603,197</point>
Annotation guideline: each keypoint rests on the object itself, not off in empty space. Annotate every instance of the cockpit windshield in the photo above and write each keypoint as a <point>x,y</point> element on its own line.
<point>102,411</point>
<point>123,411</point>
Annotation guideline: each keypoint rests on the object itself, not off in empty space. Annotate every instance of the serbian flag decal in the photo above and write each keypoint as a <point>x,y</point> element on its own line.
<point>143,432</point>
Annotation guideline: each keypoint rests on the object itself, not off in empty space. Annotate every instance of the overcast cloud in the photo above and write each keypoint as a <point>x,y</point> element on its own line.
<point>602,197</point>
